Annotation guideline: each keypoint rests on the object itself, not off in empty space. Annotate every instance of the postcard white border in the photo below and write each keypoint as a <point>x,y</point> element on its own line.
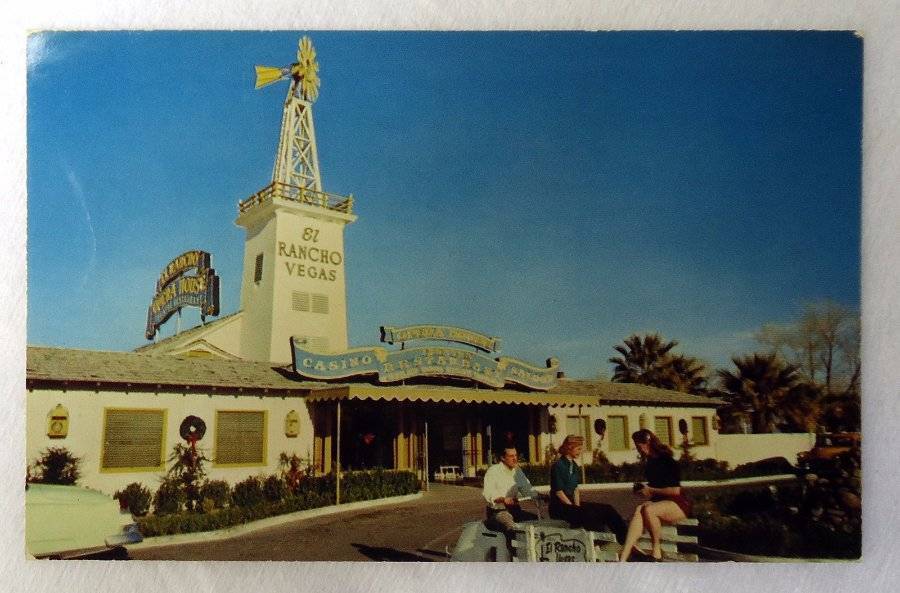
<point>876,21</point>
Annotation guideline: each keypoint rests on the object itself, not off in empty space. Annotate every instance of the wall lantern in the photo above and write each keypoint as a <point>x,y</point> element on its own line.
<point>58,422</point>
<point>292,424</point>
<point>600,427</point>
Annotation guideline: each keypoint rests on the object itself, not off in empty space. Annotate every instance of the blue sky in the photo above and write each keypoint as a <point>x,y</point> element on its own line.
<point>560,190</point>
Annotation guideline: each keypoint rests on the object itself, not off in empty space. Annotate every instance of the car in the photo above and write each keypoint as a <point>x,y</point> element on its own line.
<point>829,446</point>
<point>73,522</point>
<point>448,473</point>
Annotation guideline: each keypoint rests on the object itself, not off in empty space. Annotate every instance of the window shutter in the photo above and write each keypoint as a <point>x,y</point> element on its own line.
<point>133,439</point>
<point>240,438</point>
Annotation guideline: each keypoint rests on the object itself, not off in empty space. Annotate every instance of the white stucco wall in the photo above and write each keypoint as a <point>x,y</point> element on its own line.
<point>86,430</point>
<point>743,448</point>
<point>633,414</point>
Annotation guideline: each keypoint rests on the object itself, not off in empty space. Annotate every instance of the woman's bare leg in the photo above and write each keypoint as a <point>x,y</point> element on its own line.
<point>657,513</point>
<point>635,529</point>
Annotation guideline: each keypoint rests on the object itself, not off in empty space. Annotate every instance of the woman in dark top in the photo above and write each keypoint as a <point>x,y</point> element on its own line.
<point>667,503</point>
<point>565,500</point>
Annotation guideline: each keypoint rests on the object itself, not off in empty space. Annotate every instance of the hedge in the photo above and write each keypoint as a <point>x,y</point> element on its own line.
<point>312,493</point>
<point>691,470</point>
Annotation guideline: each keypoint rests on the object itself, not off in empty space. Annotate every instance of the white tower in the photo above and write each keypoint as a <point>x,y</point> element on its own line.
<point>294,281</point>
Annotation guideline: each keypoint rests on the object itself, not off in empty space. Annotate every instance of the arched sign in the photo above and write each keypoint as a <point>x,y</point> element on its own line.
<point>175,290</point>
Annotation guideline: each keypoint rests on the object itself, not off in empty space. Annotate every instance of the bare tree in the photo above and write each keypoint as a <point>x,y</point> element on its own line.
<point>823,343</point>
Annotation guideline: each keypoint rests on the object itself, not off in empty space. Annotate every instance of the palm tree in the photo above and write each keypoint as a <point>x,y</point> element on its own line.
<point>683,373</point>
<point>759,388</point>
<point>641,360</point>
<point>647,360</point>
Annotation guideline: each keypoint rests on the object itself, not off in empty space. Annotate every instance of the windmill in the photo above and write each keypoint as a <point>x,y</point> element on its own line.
<point>297,159</point>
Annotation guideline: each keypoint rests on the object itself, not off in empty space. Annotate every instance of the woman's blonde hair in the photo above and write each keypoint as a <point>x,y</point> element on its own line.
<point>572,440</point>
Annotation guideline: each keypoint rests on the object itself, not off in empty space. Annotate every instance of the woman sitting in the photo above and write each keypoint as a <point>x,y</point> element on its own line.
<point>667,503</point>
<point>565,499</point>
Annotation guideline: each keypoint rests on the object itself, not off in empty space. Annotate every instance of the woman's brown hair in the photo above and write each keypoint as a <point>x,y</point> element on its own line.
<point>657,448</point>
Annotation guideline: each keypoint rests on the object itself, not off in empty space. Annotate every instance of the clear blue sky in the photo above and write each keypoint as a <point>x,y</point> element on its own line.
<point>560,190</point>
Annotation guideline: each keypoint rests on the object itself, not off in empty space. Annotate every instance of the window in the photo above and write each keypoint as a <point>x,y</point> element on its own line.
<point>662,426</point>
<point>581,426</point>
<point>240,438</point>
<point>699,436</point>
<point>133,440</point>
<point>617,429</point>
<point>257,270</point>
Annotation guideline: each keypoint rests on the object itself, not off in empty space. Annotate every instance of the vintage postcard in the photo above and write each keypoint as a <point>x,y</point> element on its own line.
<point>444,296</point>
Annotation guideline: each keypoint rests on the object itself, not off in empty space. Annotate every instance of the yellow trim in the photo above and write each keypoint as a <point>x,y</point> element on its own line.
<point>265,437</point>
<point>625,434</point>
<point>705,430</point>
<point>162,449</point>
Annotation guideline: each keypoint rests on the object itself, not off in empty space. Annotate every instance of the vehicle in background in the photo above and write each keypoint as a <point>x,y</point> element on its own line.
<point>448,473</point>
<point>829,446</point>
<point>73,522</point>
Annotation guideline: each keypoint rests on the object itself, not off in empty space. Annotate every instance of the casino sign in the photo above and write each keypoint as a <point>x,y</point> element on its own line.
<point>391,366</point>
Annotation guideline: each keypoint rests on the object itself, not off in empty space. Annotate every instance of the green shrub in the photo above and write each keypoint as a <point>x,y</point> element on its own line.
<point>248,493</point>
<point>704,469</point>
<point>169,497</point>
<point>275,489</point>
<point>218,491</point>
<point>56,465</point>
<point>136,498</point>
<point>313,493</point>
<point>764,467</point>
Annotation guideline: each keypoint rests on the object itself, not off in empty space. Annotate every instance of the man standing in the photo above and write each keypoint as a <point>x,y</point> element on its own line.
<point>504,483</point>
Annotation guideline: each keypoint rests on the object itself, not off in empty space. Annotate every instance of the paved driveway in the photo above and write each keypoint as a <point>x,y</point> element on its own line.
<point>416,531</point>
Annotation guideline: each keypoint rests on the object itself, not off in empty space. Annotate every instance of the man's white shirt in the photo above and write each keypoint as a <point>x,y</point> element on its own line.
<point>500,480</point>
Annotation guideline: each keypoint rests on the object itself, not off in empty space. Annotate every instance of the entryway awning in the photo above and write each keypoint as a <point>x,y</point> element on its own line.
<point>461,395</point>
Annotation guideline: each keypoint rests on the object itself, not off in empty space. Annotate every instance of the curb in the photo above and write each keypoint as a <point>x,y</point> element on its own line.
<point>229,532</point>
<point>694,484</point>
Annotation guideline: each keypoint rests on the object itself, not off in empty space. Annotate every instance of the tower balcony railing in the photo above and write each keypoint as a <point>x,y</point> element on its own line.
<point>298,194</point>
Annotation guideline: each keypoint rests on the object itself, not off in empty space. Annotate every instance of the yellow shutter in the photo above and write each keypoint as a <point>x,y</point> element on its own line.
<point>662,426</point>
<point>698,430</point>
<point>240,438</point>
<point>617,429</point>
<point>133,440</point>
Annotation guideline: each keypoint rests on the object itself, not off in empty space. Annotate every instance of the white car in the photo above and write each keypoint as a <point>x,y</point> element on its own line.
<point>72,522</point>
<point>448,473</point>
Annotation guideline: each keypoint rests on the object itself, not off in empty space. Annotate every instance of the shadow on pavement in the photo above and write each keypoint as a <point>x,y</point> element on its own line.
<point>389,554</point>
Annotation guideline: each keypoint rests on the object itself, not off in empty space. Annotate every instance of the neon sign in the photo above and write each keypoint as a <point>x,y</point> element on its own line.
<point>175,290</point>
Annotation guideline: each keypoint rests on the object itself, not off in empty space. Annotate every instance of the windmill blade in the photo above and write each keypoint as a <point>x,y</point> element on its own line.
<point>266,75</point>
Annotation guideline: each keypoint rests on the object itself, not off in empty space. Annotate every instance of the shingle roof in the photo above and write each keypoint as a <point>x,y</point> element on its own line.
<point>632,393</point>
<point>186,335</point>
<point>96,368</point>
<point>93,369</point>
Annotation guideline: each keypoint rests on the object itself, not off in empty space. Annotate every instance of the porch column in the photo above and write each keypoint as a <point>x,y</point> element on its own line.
<point>479,443</point>
<point>323,422</point>
<point>401,448</point>
<point>532,436</point>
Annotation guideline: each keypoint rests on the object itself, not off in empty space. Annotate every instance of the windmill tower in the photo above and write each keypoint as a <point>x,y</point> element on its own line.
<point>293,281</point>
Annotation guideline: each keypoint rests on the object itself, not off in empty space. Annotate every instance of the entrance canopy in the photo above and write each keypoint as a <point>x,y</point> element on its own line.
<point>431,393</point>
